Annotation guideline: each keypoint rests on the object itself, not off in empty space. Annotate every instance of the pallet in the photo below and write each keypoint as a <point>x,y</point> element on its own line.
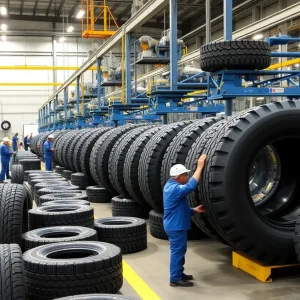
<point>254,268</point>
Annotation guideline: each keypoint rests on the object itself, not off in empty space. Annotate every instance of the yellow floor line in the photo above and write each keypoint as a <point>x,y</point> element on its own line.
<point>137,283</point>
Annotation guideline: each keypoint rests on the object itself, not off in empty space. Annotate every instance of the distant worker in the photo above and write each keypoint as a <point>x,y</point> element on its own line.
<point>15,140</point>
<point>5,153</point>
<point>177,217</point>
<point>29,140</point>
<point>26,142</point>
<point>48,152</point>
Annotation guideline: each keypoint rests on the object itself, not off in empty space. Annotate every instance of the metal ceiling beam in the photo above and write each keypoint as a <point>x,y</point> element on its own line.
<point>149,10</point>
<point>125,11</point>
<point>49,7</point>
<point>35,6</point>
<point>61,8</point>
<point>72,11</point>
<point>114,7</point>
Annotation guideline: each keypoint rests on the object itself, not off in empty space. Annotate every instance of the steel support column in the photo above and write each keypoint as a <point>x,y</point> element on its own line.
<point>228,37</point>
<point>128,68</point>
<point>65,101</point>
<point>208,21</point>
<point>173,46</point>
<point>77,95</point>
<point>99,80</point>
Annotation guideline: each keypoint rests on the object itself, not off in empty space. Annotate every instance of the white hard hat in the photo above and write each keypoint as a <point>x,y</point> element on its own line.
<point>178,169</point>
<point>6,139</point>
<point>51,136</point>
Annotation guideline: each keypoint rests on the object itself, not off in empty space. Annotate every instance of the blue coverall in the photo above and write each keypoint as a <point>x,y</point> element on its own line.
<point>14,143</point>
<point>48,154</point>
<point>26,143</point>
<point>6,153</point>
<point>177,221</point>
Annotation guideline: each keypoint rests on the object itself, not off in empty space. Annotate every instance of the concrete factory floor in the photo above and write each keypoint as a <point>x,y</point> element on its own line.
<point>210,263</point>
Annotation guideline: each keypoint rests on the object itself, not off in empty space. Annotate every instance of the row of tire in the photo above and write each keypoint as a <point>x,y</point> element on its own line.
<point>249,187</point>
<point>61,258</point>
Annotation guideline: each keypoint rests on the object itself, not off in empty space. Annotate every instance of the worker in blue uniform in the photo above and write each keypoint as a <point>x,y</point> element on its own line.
<point>5,153</point>
<point>15,140</point>
<point>48,152</point>
<point>177,217</point>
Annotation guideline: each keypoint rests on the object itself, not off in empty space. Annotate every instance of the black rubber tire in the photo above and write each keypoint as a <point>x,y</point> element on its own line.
<point>67,144</point>
<point>57,234</point>
<point>86,151</point>
<point>100,156</point>
<point>97,273</point>
<point>157,228</point>
<point>59,170</point>
<point>98,194</point>
<point>12,285</point>
<point>196,149</point>
<point>28,195</point>
<point>151,162</point>
<point>60,147</point>
<point>61,215</point>
<point>62,196</point>
<point>13,213</point>
<point>229,155</point>
<point>68,202</point>
<point>5,125</point>
<point>79,148</point>
<point>240,54</point>
<point>46,184</point>
<point>156,225</point>
<point>27,172</point>
<point>39,178</point>
<point>98,297</point>
<point>67,174</point>
<point>17,174</point>
<point>30,164</point>
<point>49,180</point>
<point>178,149</point>
<point>130,234</point>
<point>122,207</point>
<point>117,159</point>
<point>297,239</point>
<point>57,138</point>
<point>81,180</point>
<point>131,166</point>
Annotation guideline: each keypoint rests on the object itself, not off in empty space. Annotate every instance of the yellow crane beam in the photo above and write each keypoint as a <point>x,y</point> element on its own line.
<point>44,68</point>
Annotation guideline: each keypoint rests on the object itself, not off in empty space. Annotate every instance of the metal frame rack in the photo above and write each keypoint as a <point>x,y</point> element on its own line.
<point>221,85</point>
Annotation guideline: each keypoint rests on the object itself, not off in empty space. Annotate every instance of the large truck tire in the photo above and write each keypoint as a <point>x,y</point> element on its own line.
<point>240,54</point>
<point>250,184</point>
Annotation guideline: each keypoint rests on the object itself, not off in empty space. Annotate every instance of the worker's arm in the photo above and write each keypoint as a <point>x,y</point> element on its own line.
<point>6,151</point>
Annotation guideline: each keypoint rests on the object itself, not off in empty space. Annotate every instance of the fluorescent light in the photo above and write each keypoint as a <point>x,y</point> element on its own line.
<point>3,27</point>
<point>258,36</point>
<point>70,28</point>
<point>3,11</point>
<point>62,39</point>
<point>3,38</point>
<point>296,65</point>
<point>80,14</point>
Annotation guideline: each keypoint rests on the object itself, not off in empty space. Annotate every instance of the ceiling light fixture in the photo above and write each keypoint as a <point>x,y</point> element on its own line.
<point>3,11</point>
<point>80,14</point>
<point>258,36</point>
<point>3,27</point>
<point>3,38</point>
<point>70,29</point>
<point>62,39</point>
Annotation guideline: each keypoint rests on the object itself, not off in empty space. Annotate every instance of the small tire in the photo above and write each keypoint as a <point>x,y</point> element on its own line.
<point>11,273</point>
<point>59,170</point>
<point>29,196</point>
<point>62,196</point>
<point>66,202</point>
<point>98,194</point>
<point>30,164</point>
<point>57,234</point>
<point>67,174</point>
<point>95,267</point>
<point>97,297</point>
<point>81,180</point>
<point>240,54</point>
<point>61,215</point>
<point>17,174</point>
<point>123,207</point>
<point>130,234</point>
<point>5,125</point>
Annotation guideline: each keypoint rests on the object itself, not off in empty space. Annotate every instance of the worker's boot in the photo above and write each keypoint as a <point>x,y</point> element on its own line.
<point>182,283</point>
<point>187,277</point>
